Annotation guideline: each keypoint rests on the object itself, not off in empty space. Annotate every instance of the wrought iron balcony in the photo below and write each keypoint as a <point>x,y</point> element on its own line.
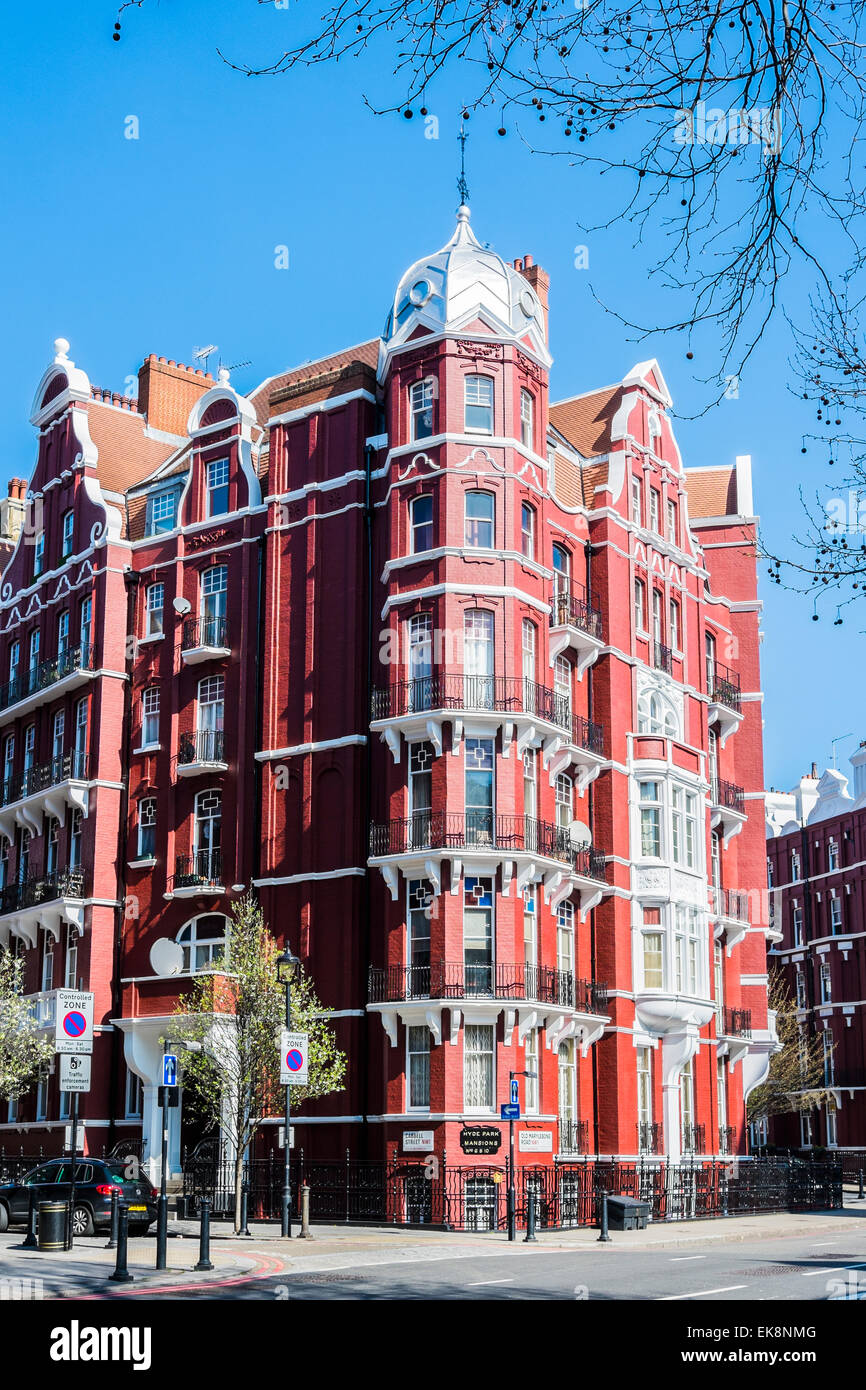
<point>33,679</point>
<point>573,1136</point>
<point>203,869</point>
<point>573,607</point>
<point>650,1137</point>
<point>482,830</point>
<point>32,891</point>
<point>731,903</point>
<point>204,748</point>
<point>499,694</point>
<point>663,658</point>
<point>69,766</point>
<point>205,635</point>
<point>726,1139</point>
<point>586,734</point>
<point>694,1139</point>
<point>495,980</point>
<point>737,1023</point>
<point>723,686</point>
<point>728,795</point>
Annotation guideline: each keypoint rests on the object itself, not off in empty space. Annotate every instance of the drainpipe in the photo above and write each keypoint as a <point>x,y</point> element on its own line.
<point>132,581</point>
<point>591,807</point>
<point>366,905</point>
<point>259,703</point>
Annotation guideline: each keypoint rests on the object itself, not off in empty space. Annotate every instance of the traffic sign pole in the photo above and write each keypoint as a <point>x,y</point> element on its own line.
<point>162,1201</point>
<point>67,1244</point>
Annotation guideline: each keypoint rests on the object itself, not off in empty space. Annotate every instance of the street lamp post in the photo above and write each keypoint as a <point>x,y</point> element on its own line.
<point>288,967</point>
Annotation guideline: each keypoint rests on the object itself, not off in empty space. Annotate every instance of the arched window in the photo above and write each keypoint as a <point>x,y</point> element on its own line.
<point>421,520</point>
<point>204,941</point>
<point>207,835</point>
<point>421,395</point>
<point>479,520</point>
<point>655,716</point>
<point>478,398</point>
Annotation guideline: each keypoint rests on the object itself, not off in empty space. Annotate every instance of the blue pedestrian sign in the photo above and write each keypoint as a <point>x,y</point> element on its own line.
<point>509,1112</point>
<point>169,1069</point>
<point>515,1094</point>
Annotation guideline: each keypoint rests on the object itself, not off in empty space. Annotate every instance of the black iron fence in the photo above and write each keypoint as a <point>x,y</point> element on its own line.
<point>44,674</point>
<point>474,1197</point>
<point>30,892</point>
<point>495,980</point>
<point>663,657</point>
<point>72,765</point>
<point>572,607</point>
<point>723,685</point>
<point>499,694</point>
<point>483,829</point>
<point>203,868</point>
<point>729,795</point>
<point>203,746</point>
<point>205,632</point>
<point>737,1023</point>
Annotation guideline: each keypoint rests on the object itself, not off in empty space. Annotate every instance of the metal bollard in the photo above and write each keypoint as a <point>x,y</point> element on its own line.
<point>162,1231</point>
<point>121,1274</point>
<point>860,1194</point>
<point>605,1235</point>
<point>111,1243</point>
<point>204,1260</point>
<point>30,1242</point>
<point>305,1213</point>
<point>530,1219</point>
<point>245,1204</point>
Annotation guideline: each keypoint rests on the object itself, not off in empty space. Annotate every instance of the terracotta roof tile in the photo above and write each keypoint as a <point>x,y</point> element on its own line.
<point>368,353</point>
<point>711,492</point>
<point>585,420</point>
<point>126,454</point>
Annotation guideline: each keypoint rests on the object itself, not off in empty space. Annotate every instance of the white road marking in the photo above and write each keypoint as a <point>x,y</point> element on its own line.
<point>679,1259</point>
<point>479,1282</point>
<point>834,1269</point>
<point>701,1293</point>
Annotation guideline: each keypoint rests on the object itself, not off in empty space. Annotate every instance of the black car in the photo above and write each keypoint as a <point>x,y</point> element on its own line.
<point>95,1180</point>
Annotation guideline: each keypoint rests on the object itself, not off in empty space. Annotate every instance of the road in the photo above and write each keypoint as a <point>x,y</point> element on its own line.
<point>790,1269</point>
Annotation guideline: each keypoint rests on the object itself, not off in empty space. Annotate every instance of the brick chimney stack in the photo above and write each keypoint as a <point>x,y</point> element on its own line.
<point>539,280</point>
<point>167,392</point>
<point>12,509</point>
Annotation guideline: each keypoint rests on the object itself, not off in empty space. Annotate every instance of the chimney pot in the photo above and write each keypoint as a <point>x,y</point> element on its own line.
<point>528,262</point>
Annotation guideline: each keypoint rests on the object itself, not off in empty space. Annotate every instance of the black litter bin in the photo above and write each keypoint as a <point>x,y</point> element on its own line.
<point>627,1214</point>
<point>52,1225</point>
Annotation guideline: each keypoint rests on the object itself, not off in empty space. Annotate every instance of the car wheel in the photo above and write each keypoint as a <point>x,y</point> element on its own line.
<point>4,1218</point>
<point>82,1222</point>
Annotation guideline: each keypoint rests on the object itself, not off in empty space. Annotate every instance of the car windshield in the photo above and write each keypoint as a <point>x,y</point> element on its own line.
<point>127,1171</point>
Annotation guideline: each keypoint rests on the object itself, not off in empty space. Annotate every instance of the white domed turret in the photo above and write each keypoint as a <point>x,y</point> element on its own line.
<point>462,282</point>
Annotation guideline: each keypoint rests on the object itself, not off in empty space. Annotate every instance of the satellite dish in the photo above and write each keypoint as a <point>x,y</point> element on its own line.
<point>166,956</point>
<point>580,833</point>
<point>181,605</point>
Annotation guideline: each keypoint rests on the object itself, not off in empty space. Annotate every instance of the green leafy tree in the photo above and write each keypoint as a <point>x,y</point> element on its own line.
<point>235,1010</point>
<point>25,1051</point>
<point>795,1081</point>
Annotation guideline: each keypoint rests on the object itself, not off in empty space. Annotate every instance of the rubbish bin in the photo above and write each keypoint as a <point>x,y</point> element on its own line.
<point>52,1225</point>
<point>627,1213</point>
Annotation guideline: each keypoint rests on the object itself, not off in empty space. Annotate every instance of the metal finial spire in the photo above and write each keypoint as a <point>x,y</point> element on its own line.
<point>462,185</point>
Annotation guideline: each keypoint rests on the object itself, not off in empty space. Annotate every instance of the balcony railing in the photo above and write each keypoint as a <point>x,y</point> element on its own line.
<point>45,674</point>
<point>728,795</point>
<point>694,1139</point>
<point>485,831</point>
<point>204,746</point>
<point>585,734</point>
<point>650,1137</point>
<point>737,1023</point>
<point>663,658</point>
<point>495,980</point>
<point>574,608</point>
<point>205,632</point>
<point>723,686</point>
<point>44,776</point>
<point>726,1139</point>
<point>729,902</point>
<point>31,892</point>
<point>573,1136</point>
<point>499,694</point>
<point>201,869</point>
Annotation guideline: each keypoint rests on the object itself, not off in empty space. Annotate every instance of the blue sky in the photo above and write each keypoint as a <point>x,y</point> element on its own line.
<point>167,242</point>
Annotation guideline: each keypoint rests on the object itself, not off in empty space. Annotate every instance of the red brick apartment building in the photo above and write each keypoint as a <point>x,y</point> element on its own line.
<point>463,681</point>
<point>816,863</point>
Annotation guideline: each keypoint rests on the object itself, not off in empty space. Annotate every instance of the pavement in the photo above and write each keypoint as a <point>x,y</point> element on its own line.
<point>394,1262</point>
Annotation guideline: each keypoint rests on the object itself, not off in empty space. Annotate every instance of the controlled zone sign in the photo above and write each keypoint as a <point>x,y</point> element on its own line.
<point>73,1028</point>
<point>293,1058</point>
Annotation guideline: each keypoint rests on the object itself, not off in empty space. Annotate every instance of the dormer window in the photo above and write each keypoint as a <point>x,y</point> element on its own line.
<point>478,398</point>
<point>161,513</point>
<point>66,545</point>
<point>217,487</point>
<point>421,403</point>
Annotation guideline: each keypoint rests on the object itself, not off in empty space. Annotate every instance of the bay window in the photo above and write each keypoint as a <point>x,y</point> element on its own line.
<point>418,1067</point>
<point>479,1089</point>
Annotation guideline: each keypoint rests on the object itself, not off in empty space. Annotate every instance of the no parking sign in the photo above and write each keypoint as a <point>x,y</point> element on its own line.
<point>293,1058</point>
<point>73,1029</point>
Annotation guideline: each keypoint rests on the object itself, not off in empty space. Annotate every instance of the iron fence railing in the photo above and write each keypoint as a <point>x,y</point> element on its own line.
<point>474,1197</point>
<point>485,830</point>
<point>573,1136</point>
<point>31,679</point>
<point>202,746</point>
<point>205,632</point>
<point>30,892</point>
<point>497,980</point>
<point>737,1023</point>
<point>694,1139</point>
<point>726,1139</point>
<point>44,776</point>
<point>732,903</point>
<point>586,734</point>
<point>663,657</point>
<point>650,1137</point>
<point>203,868</point>
<point>723,685</point>
<point>729,795</point>
<point>573,607</point>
